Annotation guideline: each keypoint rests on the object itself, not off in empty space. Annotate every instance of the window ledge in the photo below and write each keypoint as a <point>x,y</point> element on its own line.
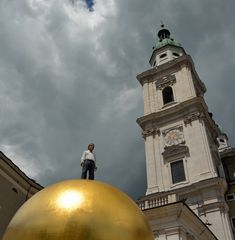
<point>169,104</point>
<point>179,183</point>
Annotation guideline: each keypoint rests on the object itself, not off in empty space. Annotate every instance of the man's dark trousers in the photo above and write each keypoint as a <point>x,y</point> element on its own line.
<point>88,165</point>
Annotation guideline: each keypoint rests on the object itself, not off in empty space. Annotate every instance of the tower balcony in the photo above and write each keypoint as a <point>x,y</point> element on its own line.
<point>148,202</point>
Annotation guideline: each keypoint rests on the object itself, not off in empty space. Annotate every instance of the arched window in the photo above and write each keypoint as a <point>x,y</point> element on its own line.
<point>167,95</point>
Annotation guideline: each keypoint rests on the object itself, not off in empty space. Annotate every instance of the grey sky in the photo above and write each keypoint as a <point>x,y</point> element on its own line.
<point>67,78</point>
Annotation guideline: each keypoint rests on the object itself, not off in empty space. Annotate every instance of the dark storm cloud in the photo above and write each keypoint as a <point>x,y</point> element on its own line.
<point>68,78</point>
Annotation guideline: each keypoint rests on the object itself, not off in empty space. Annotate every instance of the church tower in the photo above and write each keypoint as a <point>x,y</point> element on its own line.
<point>182,158</point>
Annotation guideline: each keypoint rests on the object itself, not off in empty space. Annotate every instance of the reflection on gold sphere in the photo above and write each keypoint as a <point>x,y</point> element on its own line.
<point>79,210</point>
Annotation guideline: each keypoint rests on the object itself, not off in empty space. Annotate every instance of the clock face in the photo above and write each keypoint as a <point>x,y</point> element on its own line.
<point>174,137</point>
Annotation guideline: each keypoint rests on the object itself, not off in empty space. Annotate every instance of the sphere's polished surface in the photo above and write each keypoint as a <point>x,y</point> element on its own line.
<point>79,210</point>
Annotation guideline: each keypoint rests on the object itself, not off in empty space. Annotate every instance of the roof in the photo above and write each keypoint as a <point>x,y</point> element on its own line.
<point>17,170</point>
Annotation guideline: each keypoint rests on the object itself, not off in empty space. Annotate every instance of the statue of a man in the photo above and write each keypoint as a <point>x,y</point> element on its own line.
<point>88,162</point>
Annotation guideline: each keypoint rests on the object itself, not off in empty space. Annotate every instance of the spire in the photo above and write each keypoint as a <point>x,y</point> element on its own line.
<point>165,49</point>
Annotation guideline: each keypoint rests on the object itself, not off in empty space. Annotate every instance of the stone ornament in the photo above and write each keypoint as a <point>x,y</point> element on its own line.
<point>192,117</point>
<point>175,150</point>
<point>169,80</point>
<point>150,131</point>
<point>174,137</point>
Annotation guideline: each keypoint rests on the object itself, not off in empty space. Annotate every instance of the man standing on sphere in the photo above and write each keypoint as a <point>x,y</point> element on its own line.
<point>88,162</point>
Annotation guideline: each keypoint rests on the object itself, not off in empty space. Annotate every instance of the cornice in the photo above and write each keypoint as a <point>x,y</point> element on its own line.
<point>7,163</point>
<point>148,74</point>
<point>171,67</point>
<point>184,107</point>
<point>227,153</point>
<point>162,49</point>
<point>210,207</point>
<point>198,186</point>
<point>188,111</point>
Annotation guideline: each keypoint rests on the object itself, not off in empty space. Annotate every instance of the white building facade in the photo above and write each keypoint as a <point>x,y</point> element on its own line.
<point>182,158</point>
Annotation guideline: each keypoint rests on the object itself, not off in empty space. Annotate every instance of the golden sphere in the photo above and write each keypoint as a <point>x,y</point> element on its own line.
<point>79,210</point>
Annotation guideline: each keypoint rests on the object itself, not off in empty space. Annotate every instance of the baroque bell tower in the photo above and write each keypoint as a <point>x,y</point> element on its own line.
<point>182,159</point>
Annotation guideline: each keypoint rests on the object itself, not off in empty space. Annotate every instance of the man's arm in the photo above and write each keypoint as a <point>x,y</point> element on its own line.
<point>95,161</point>
<point>83,157</point>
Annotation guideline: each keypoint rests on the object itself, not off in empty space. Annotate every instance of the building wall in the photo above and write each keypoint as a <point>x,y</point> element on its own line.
<point>201,160</point>
<point>15,189</point>
<point>228,159</point>
<point>231,204</point>
<point>11,198</point>
<point>198,161</point>
<point>180,130</point>
<point>176,221</point>
<point>204,198</point>
<point>182,85</point>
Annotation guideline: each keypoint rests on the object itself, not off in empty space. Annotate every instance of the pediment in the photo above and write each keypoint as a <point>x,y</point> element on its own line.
<point>165,81</point>
<point>174,150</point>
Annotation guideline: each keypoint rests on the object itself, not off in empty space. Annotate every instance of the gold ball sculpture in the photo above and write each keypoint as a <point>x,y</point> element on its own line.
<point>79,210</point>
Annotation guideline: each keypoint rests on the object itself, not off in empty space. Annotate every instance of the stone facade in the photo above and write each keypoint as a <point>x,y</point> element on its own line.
<point>177,221</point>
<point>182,158</point>
<point>15,187</point>
<point>181,129</point>
<point>227,154</point>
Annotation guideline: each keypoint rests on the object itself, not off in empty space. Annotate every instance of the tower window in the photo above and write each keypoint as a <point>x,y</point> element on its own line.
<point>176,54</point>
<point>167,95</point>
<point>163,55</point>
<point>233,222</point>
<point>230,197</point>
<point>14,190</point>
<point>177,172</point>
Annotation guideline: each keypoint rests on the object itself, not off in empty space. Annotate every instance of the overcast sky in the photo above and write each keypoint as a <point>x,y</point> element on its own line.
<point>68,77</point>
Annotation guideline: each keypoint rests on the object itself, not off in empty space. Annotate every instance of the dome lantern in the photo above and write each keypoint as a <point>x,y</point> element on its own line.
<point>165,49</point>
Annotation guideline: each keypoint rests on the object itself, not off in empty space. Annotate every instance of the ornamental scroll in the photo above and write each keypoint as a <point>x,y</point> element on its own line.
<point>150,131</point>
<point>192,117</point>
<point>166,81</point>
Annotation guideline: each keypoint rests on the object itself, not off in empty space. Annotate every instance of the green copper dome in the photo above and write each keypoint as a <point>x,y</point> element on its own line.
<point>165,39</point>
<point>165,42</point>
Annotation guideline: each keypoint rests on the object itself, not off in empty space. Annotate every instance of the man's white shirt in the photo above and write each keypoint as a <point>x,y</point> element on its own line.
<point>88,155</point>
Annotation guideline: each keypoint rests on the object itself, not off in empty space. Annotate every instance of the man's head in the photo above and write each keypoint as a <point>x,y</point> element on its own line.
<point>91,146</point>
